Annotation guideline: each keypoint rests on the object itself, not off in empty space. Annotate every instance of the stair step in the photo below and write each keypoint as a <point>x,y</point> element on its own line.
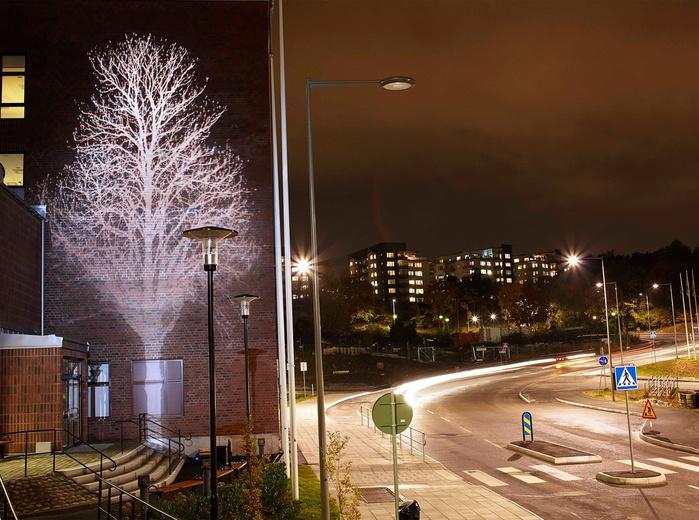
<point>130,476</point>
<point>80,470</point>
<point>139,461</point>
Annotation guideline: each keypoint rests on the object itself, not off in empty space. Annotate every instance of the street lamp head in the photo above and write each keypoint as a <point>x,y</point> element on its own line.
<point>493,317</point>
<point>573,260</point>
<point>209,237</point>
<point>598,284</point>
<point>395,316</point>
<point>441,317</point>
<point>446,319</point>
<point>303,266</point>
<point>474,319</point>
<point>397,83</point>
<point>245,300</point>
<point>655,285</point>
<point>394,300</point>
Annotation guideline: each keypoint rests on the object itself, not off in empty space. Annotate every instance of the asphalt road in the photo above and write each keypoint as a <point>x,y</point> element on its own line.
<point>470,421</point>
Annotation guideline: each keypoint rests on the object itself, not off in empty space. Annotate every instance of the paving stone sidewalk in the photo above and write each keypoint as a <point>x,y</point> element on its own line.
<point>441,494</point>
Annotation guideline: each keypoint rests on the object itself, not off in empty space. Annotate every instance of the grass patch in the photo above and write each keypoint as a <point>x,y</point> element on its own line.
<point>676,368</point>
<point>300,397</point>
<point>606,395</point>
<point>309,496</point>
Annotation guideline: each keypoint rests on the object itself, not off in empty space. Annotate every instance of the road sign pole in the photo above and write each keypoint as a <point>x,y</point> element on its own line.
<point>628,422</point>
<point>394,428</point>
<point>304,383</point>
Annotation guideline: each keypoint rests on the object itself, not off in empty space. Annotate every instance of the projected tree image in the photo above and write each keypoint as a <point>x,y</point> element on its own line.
<point>144,171</point>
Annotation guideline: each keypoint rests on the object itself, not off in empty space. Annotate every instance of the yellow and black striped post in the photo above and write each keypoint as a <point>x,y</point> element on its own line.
<point>527,427</point>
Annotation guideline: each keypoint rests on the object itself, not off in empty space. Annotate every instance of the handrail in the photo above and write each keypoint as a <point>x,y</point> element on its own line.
<point>7,503</point>
<point>122,492</point>
<point>409,439</point>
<point>53,431</point>
<point>145,432</point>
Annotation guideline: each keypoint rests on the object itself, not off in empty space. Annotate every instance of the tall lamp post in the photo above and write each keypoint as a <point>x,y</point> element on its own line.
<point>394,83</point>
<point>394,310</point>
<point>209,237</point>
<point>618,318</point>
<point>672,305</point>
<point>244,300</point>
<point>573,261</point>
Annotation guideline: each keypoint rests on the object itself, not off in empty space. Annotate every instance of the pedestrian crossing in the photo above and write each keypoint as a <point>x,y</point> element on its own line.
<point>538,474</point>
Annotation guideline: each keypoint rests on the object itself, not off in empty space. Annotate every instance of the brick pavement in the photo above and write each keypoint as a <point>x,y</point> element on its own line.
<point>442,495</point>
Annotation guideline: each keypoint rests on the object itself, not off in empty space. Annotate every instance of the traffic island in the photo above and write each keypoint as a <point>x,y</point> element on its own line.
<point>553,453</point>
<point>639,478</point>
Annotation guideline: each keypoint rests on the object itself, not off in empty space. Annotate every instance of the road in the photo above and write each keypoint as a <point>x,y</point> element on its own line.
<point>470,421</point>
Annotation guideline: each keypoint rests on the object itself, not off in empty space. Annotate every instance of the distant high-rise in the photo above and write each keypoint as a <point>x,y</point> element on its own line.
<point>392,271</point>
<point>495,263</point>
<point>537,267</point>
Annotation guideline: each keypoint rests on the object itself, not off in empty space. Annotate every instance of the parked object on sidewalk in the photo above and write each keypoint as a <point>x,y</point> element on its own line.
<point>409,510</point>
<point>688,400</point>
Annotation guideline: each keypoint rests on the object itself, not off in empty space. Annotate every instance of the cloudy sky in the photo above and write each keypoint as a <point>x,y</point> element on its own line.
<point>540,124</point>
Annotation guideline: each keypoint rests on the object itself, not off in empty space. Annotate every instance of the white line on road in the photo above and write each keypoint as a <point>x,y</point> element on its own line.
<point>555,472</point>
<point>492,443</point>
<point>464,429</point>
<point>522,475</point>
<point>676,464</point>
<point>484,478</point>
<point>693,487</point>
<point>429,411</point>
<point>443,418</point>
<point>643,465</point>
<point>693,458</point>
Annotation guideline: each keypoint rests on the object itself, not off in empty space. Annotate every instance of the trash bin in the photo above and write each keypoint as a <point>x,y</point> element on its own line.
<point>409,510</point>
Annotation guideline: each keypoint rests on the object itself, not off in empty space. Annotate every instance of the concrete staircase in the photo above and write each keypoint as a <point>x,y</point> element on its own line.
<point>142,460</point>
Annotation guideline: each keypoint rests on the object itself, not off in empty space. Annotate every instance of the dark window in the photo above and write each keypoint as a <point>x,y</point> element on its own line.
<point>158,387</point>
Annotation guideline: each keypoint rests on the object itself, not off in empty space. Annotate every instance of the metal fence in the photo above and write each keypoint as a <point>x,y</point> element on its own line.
<point>662,386</point>
<point>412,438</point>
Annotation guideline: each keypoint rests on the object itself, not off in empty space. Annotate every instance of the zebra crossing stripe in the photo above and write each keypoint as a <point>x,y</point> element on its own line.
<point>676,464</point>
<point>483,477</point>
<point>521,475</point>
<point>643,465</point>
<point>555,472</point>
<point>693,458</point>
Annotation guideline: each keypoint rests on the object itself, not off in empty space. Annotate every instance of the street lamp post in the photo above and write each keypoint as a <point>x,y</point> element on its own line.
<point>672,305</point>
<point>396,83</point>
<point>209,237</point>
<point>244,300</point>
<point>394,310</point>
<point>618,320</point>
<point>574,260</point>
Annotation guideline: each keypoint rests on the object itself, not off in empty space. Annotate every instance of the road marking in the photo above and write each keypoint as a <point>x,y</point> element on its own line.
<point>429,411</point>
<point>443,418</point>
<point>492,443</point>
<point>485,478</point>
<point>555,472</point>
<point>648,466</point>
<point>677,464</point>
<point>693,458</point>
<point>464,429</point>
<point>693,487</point>
<point>522,475</point>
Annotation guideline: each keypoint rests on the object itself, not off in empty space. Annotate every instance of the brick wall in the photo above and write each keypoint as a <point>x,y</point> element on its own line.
<point>30,393</point>
<point>229,40</point>
<point>20,265</point>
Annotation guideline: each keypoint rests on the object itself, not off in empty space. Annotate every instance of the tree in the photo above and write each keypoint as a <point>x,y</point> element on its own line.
<point>143,172</point>
<point>340,474</point>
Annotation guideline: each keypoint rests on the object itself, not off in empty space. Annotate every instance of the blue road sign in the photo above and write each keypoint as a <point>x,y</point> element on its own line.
<point>653,334</point>
<point>527,427</point>
<point>625,378</point>
<point>603,360</point>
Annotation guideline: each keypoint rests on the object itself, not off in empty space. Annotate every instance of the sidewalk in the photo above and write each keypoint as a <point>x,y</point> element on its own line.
<point>441,494</point>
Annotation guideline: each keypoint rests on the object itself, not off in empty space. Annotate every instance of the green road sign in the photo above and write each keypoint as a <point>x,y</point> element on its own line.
<point>383,415</point>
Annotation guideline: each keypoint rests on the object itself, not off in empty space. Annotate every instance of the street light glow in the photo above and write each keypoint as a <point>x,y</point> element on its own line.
<point>397,83</point>
<point>493,317</point>
<point>474,319</point>
<point>598,284</point>
<point>655,286</point>
<point>573,260</point>
<point>303,266</point>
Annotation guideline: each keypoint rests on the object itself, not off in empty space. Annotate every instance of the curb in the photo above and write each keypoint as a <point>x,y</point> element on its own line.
<point>592,407</point>
<point>655,481</point>
<point>578,459</point>
<point>528,401</point>
<point>667,444</point>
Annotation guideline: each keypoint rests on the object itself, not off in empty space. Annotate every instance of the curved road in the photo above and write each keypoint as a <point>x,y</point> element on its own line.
<point>470,421</point>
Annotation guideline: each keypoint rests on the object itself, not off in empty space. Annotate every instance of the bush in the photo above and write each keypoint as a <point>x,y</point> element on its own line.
<point>276,496</point>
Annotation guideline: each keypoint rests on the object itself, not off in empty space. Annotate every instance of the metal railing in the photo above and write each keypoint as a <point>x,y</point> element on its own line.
<point>412,437</point>
<point>147,432</point>
<point>7,508</point>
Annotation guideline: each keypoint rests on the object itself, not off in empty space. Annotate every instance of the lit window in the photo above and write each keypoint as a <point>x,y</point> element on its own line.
<point>12,164</point>
<point>376,291</point>
<point>507,255</point>
<point>418,264</point>
<point>412,298</point>
<point>391,281</point>
<point>390,263</point>
<point>391,272</point>
<point>418,273</point>
<point>418,282</point>
<point>12,88</point>
<point>389,255</point>
<point>392,290</point>
<point>419,291</point>
<point>98,390</point>
<point>509,280</point>
<point>158,387</point>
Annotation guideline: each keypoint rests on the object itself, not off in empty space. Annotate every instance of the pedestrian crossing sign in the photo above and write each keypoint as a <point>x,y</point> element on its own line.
<point>625,377</point>
<point>648,412</point>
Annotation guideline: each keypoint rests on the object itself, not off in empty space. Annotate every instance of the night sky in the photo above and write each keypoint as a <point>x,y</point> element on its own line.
<point>540,124</point>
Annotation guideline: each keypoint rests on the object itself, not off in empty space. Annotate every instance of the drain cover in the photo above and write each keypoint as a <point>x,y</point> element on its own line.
<point>373,495</point>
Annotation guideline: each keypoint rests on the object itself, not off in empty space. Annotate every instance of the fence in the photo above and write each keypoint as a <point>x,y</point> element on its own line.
<point>662,386</point>
<point>412,437</point>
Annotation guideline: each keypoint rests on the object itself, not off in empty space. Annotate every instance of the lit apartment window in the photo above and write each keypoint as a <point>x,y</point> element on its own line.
<point>391,281</point>
<point>158,387</point>
<point>418,273</point>
<point>509,280</point>
<point>12,87</point>
<point>418,282</point>
<point>507,255</point>
<point>419,291</point>
<point>389,255</point>
<point>392,290</point>
<point>411,290</point>
<point>412,299</point>
<point>376,291</point>
<point>98,390</point>
<point>12,164</point>
<point>390,263</point>
<point>391,272</point>
<point>418,264</point>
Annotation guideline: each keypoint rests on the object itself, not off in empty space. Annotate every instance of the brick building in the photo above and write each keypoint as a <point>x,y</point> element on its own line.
<point>138,299</point>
